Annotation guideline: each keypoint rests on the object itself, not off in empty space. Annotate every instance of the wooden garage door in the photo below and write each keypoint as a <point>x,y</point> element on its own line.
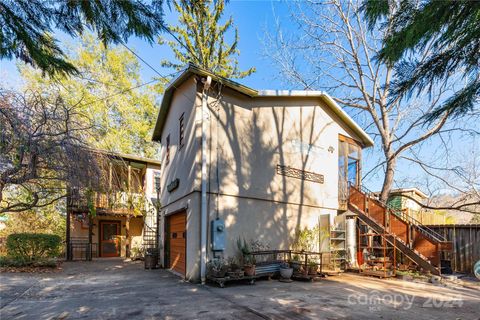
<point>177,242</point>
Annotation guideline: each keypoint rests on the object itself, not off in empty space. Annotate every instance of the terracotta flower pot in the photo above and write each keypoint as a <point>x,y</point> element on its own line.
<point>249,270</point>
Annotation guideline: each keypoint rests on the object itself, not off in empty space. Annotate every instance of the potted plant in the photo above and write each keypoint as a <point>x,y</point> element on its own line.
<point>246,257</point>
<point>312,267</point>
<point>295,263</point>
<point>234,269</point>
<point>286,271</point>
<point>137,253</point>
<point>217,268</point>
<point>249,265</point>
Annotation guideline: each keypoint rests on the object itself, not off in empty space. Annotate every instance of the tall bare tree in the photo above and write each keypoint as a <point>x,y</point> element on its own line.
<point>335,51</point>
<point>41,150</point>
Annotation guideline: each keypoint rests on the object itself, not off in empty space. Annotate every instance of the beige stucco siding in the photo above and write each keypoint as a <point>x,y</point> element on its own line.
<point>253,136</point>
<point>182,159</point>
<point>272,223</point>
<point>151,171</point>
<point>246,139</point>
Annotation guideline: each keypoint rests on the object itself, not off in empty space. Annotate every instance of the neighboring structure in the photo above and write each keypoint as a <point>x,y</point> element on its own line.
<point>407,199</point>
<point>262,163</point>
<point>410,200</point>
<point>120,218</point>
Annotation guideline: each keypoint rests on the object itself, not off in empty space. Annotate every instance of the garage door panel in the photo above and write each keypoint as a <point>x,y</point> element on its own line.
<point>177,245</point>
<point>179,223</point>
<point>177,248</point>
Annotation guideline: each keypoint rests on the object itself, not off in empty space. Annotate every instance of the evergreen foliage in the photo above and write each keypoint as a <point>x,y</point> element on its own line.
<point>33,246</point>
<point>27,27</point>
<point>450,30</point>
<point>200,39</point>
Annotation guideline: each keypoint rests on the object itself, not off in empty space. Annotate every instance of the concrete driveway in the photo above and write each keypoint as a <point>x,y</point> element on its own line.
<point>113,289</point>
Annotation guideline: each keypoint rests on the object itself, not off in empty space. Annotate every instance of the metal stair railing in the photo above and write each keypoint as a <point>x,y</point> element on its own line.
<point>401,214</point>
<point>149,237</point>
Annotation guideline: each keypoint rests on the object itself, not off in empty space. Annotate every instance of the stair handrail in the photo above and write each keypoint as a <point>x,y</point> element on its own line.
<point>155,240</point>
<point>149,228</point>
<point>406,217</point>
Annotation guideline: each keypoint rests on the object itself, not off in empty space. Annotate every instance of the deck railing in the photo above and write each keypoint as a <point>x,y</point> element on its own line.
<point>115,201</point>
<point>359,196</point>
<point>80,249</point>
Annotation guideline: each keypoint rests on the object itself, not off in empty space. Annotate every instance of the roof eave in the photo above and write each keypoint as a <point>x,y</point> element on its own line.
<point>366,139</point>
<point>193,69</point>
<point>175,83</point>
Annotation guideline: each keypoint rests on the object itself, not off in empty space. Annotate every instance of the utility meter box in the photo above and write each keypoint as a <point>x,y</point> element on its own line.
<point>218,234</point>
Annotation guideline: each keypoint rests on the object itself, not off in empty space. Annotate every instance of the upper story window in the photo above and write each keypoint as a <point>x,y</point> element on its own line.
<point>349,158</point>
<point>167,151</point>
<point>181,131</point>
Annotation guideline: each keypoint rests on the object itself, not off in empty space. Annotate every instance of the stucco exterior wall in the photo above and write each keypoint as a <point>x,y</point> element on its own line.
<point>136,229</point>
<point>183,160</point>
<point>246,139</point>
<point>272,223</point>
<point>151,171</point>
<point>253,136</point>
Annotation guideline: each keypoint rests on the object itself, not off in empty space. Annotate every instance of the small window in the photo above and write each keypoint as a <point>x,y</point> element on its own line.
<point>181,131</point>
<point>167,157</point>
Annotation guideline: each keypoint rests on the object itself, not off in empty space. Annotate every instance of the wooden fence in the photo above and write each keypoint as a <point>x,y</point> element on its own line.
<point>466,244</point>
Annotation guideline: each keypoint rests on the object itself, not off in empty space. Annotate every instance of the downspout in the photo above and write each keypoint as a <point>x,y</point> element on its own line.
<point>203,219</point>
<point>351,234</point>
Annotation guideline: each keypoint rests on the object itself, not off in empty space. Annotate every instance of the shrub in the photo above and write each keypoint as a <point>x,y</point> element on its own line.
<point>31,247</point>
<point>15,262</point>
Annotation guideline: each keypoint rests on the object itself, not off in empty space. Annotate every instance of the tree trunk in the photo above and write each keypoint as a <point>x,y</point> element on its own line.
<point>388,180</point>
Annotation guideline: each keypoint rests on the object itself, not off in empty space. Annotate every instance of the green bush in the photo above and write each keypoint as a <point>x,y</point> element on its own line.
<point>30,247</point>
<point>16,262</point>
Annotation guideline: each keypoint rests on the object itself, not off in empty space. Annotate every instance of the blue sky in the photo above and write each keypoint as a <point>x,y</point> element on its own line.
<point>251,18</point>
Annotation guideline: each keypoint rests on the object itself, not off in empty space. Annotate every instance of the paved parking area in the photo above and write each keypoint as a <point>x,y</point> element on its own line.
<point>113,289</point>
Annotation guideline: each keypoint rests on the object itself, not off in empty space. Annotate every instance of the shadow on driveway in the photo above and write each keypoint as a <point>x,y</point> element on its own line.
<point>114,289</point>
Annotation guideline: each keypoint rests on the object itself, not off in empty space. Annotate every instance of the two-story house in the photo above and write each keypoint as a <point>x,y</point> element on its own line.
<point>264,163</point>
<point>118,217</point>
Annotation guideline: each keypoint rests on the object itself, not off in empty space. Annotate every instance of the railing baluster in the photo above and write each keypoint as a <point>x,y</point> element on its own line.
<point>366,193</point>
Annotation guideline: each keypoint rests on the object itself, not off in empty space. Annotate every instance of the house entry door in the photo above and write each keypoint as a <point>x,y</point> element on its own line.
<point>109,242</point>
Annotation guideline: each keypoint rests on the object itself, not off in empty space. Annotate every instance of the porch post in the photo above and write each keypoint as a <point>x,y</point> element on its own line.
<point>129,178</point>
<point>90,229</point>
<point>67,237</point>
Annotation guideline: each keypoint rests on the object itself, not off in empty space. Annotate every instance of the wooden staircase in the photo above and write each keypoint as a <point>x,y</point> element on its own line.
<point>420,244</point>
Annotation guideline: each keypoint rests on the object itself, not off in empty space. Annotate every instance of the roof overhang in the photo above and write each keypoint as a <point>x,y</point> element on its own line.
<point>191,69</point>
<point>403,191</point>
<point>127,157</point>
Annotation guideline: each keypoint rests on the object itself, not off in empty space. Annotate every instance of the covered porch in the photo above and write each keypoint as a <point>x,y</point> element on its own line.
<point>108,235</point>
<point>108,218</point>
